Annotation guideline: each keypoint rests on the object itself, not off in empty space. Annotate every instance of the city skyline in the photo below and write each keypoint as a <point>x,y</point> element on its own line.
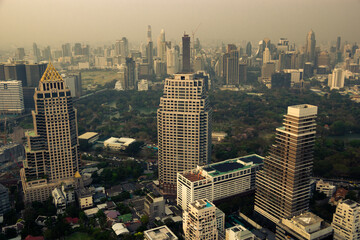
<point>97,22</point>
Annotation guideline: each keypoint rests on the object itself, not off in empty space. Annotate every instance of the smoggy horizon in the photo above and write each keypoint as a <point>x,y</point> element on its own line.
<point>54,22</point>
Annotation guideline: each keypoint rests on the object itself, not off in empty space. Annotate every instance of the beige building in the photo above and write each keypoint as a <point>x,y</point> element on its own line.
<point>160,233</point>
<point>199,221</point>
<point>283,186</point>
<point>325,187</point>
<point>52,155</point>
<point>154,206</point>
<point>346,220</point>
<point>239,232</point>
<point>306,226</point>
<point>184,128</point>
<point>11,97</point>
<point>85,198</point>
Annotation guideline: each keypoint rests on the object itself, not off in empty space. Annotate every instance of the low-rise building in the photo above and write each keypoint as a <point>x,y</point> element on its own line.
<point>325,187</point>
<point>143,85</point>
<point>239,232</point>
<point>306,226</point>
<point>118,143</point>
<point>85,198</point>
<point>218,136</point>
<point>160,233</point>
<point>346,220</point>
<point>218,180</point>
<point>154,206</point>
<point>119,229</point>
<point>88,138</point>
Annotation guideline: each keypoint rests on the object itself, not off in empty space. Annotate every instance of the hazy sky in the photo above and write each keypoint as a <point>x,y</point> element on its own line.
<point>23,22</point>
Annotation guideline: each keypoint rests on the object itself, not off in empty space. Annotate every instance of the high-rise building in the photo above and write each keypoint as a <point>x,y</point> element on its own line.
<point>77,49</point>
<point>283,186</point>
<point>34,73</point>
<point>266,55</point>
<point>248,49</point>
<point>199,221</point>
<point>130,73</point>
<point>242,73</point>
<point>52,152</point>
<point>172,61</point>
<point>336,80</point>
<point>11,97</point>
<point>16,72</point>
<point>338,43</point>
<point>36,54</point>
<point>161,46</point>
<point>184,128</point>
<point>186,67</point>
<point>232,66</point>
<point>346,222</point>
<point>2,72</point>
<point>310,47</point>
<point>73,82</point>
<point>66,50</point>
<point>47,53</point>
<point>149,52</point>
<point>4,200</point>
<point>20,53</point>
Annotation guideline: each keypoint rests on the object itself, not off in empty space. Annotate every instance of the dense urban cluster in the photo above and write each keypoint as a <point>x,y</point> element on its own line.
<point>180,140</point>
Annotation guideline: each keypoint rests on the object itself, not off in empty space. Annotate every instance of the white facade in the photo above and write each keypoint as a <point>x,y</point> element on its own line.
<point>336,80</point>
<point>11,97</point>
<point>210,182</point>
<point>160,233</point>
<point>199,221</point>
<point>266,55</point>
<point>239,232</point>
<point>325,187</point>
<point>118,143</point>
<point>346,220</point>
<point>143,85</point>
<point>172,64</point>
<point>220,221</point>
<point>296,75</point>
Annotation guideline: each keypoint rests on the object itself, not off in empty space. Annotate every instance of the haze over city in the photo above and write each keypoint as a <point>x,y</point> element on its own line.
<point>23,22</point>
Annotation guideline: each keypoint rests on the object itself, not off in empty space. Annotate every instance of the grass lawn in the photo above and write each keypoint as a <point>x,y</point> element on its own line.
<point>79,236</point>
<point>98,77</point>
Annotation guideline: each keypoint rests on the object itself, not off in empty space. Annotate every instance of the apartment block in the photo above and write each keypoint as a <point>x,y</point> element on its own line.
<point>346,220</point>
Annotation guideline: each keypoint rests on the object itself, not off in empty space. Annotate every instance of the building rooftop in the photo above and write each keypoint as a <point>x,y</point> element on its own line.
<point>160,233</point>
<point>201,204</point>
<point>88,135</point>
<point>193,176</point>
<point>306,219</point>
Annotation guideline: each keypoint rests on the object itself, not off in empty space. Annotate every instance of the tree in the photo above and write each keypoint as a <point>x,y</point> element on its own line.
<point>134,148</point>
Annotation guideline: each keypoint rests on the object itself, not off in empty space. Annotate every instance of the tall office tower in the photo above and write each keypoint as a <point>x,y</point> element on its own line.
<point>172,61</point>
<point>283,45</point>
<point>199,221</point>
<point>232,67</point>
<point>2,72</point>
<point>184,128</point>
<point>266,55</point>
<point>20,53</point>
<point>186,68</point>
<point>47,53</point>
<point>336,80</point>
<point>310,47</point>
<point>323,59</point>
<point>11,97</point>
<point>130,73</point>
<point>242,73</point>
<point>66,50</point>
<point>16,72</point>
<point>85,50</point>
<point>36,53</point>
<point>73,82</point>
<point>161,46</point>
<point>346,221</point>
<point>338,43</point>
<point>283,186</point>
<point>77,49</point>
<point>4,200</point>
<point>124,47</point>
<point>149,51</point>
<point>34,73</point>
<point>52,153</point>
<point>248,49</point>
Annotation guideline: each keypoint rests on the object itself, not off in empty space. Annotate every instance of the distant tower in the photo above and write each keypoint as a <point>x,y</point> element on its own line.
<point>20,53</point>
<point>186,54</point>
<point>338,43</point>
<point>35,53</point>
<point>149,34</point>
<point>248,49</point>
<point>52,153</point>
<point>283,186</point>
<point>184,128</point>
<point>266,55</point>
<point>149,51</point>
<point>161,46</point>
<point>310,47</point>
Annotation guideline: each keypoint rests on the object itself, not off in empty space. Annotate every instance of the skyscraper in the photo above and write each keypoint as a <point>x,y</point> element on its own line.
<point>186,68</point>
<point>310,47</point>
<point>149,51</point>
<point>338,43</point>
<point>248,49</point>
<point>20,53</point>
<point>184,128</point>
<point>36,53</point>
<point>283,186</point>
<point>52,152</point>
<point>232,65</point>
<point>161,46</point>
<point>66,50</point>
